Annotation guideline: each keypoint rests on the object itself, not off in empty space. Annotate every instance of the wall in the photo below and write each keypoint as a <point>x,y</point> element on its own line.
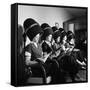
<point>79,23</point>
<point>80,28</point>
<point>49,15</point>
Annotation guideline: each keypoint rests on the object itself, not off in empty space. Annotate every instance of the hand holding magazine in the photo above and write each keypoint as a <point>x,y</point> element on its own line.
<point>44,58</point>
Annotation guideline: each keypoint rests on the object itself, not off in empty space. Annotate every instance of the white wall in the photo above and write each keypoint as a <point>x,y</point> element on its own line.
<point>41,14</point>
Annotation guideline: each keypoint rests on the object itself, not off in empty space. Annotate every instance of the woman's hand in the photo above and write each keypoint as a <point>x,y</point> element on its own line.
<point>44,58</point>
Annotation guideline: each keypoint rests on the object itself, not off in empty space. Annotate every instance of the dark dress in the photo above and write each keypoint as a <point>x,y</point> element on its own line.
<point>54,64</point>
<point>67,62</point>
<point>46,47</point>
<point>36,52</point>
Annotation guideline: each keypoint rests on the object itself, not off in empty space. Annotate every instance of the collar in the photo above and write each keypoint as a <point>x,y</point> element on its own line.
<point>36,45</point>
<point>28,42</point>
<point>48,43</point>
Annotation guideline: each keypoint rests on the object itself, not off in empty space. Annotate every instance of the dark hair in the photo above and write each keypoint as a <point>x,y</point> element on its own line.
<point>32,28</point>
<point>70,35</point>
<point>54,28</point>
<point>61,30</point>
<point>47,30</point>
<point>56,34</point>
<point>63,34</point>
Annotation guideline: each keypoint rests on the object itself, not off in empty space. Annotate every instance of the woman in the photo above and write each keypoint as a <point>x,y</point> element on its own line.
<point>75,52</point>
<point>48,50</point>
<point>33,51</point>
<point>71,64</point>
<point>66,61</point>
<point>57,46</point>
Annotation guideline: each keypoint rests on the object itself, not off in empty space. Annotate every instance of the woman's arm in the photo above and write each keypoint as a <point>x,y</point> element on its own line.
<point>45,56</point>
<point>28,59</point>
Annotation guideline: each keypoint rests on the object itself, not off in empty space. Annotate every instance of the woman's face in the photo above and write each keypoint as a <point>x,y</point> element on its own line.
<point>58,40</point>
<point>49,38</point>
<point>64,39</point>
<point>36,38</point>
<point>72,41</point>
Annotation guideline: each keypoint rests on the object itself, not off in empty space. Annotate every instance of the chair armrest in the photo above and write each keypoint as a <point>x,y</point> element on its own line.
<point>39,67</point>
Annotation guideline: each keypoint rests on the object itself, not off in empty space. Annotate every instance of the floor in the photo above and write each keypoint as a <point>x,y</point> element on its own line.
<point>81,76</point>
